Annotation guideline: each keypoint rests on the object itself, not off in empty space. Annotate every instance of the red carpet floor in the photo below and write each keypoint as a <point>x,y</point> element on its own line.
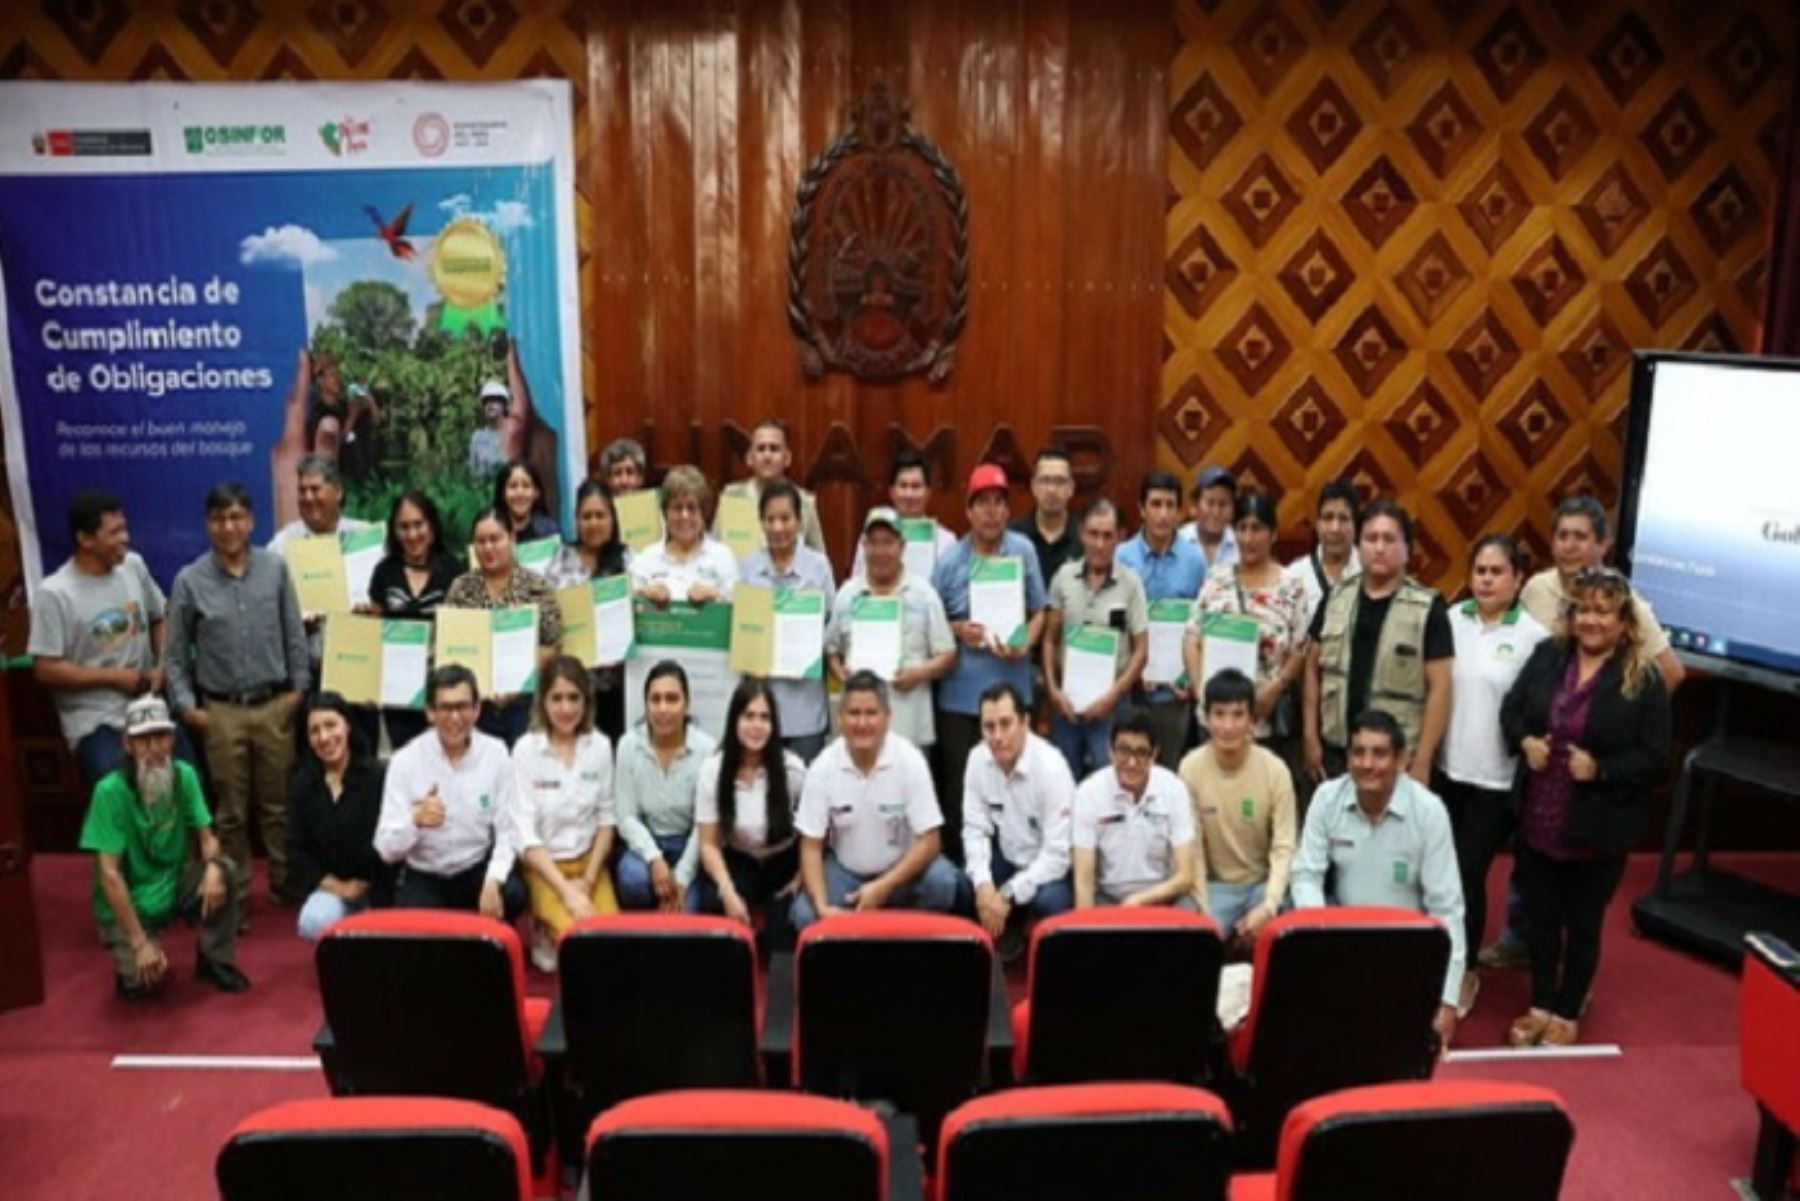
<point>1665,1122</point>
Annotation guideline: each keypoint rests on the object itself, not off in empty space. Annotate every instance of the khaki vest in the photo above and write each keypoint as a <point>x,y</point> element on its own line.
<point>1397,683</point>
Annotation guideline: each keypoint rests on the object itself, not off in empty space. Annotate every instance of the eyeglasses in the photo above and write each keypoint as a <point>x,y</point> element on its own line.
<point>1133,754</point>
<point>453,706</point>
<point>1606,579</point>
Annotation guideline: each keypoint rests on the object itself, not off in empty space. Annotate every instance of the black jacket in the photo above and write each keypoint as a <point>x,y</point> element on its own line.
<point>1628,738</point>
<point>333,838</point>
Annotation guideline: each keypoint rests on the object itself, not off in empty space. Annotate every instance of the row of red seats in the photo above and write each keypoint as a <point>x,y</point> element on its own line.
<point>1145,1142</point>
<point>903,1008</point>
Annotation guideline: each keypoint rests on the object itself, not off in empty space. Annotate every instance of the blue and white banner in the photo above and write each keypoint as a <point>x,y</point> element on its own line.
<point>204,283</point>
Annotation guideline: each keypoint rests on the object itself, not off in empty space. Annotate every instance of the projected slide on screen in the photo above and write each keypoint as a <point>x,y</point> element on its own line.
<point>1717,546</point>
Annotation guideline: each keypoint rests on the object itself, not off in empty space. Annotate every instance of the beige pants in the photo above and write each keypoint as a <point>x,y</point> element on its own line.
<point>249,752</point>
<point>547,904</point>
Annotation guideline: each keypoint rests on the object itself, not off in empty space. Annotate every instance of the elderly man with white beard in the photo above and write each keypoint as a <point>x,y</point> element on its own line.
<point>142,821</point>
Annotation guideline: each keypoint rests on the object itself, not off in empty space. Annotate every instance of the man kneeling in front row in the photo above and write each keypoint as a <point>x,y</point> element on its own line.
<point>1134,827</point>
<point>139,825</point>
<point>869,819</point>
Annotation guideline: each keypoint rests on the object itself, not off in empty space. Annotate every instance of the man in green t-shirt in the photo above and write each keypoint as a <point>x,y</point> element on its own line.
<point>139,825</point>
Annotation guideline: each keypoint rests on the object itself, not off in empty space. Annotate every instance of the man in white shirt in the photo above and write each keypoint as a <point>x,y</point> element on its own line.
<point>1134,827</point>
<point>446,809</point>
<point>1017,793</point>
<point>321,493</point>
<point>869,819</point>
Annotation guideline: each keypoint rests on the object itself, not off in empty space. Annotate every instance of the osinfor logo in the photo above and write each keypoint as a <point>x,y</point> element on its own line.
<point>431,134</point>
<point>235,139</point>
<point>348,136</point>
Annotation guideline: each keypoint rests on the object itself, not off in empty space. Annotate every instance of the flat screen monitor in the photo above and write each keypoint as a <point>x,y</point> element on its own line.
<point>1709,517</point>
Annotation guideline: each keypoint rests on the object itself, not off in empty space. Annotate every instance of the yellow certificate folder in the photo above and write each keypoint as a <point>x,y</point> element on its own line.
<point>466,636</point>
<point>640,518</point>
<point>317,566</point>
<point>739,526</point>
<point>373,661</point>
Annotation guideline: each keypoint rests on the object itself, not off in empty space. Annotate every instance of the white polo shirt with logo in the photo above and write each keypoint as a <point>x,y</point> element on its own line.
<point>477,792</point>
<point>870,821</point>
<point>1488,660</point>
<point>1134,841</point>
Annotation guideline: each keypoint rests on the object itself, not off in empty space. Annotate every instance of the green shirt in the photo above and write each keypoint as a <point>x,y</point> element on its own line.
<point>150,841</point>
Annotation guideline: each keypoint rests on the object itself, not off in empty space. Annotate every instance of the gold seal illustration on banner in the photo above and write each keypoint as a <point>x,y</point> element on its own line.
<point>467,264</point>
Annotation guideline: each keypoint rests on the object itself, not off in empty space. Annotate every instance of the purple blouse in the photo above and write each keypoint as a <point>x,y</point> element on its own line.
<point>1550,792</point>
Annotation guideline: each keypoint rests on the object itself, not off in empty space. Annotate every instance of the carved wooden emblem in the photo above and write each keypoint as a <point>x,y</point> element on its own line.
<point>878,250</point>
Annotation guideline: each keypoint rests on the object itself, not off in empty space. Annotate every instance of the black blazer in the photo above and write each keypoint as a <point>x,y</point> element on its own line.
<point>327,837</point>
<point>1628,738</point>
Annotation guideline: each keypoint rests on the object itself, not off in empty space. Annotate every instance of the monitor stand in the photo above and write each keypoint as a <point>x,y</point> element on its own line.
<point>1707,909</point>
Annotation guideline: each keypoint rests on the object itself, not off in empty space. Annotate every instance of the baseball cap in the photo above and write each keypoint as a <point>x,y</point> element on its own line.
<point>495,390</point>
<point>985,478</point>
<point>1214,476</point>
<point>881,515</point>
<point>147,715</point>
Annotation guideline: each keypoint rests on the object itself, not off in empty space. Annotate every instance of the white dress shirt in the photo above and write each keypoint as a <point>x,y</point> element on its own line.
<point>477,792</point>
<point>1029,809</point>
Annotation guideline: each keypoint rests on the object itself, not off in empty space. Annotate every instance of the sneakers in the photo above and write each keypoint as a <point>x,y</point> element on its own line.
<point>543,950</point>
<point>1465,1000</point>
<point>1528,1029</point>
<point>130,991</point>
<point>1502,954</point>
<point>226,977</point>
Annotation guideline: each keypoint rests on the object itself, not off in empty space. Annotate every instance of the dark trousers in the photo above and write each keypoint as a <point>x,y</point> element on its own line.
<point>506,722</point>
<point>957,735</point>
<point>403,725</point>
<point>414,889</point>
<point>758,881</point>
<point>609,709</point>
<point>1481,820</point>
<point>1171,725</point>
<point>1565,905</point>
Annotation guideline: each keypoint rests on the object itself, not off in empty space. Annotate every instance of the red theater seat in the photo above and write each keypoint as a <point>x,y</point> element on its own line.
<point>1769,1057</point>
<point>1075,1142</point>
<point>650,1002</point>
<point>430,1003</point>
<point>1340,997</point>
<point>375,1149</point>
<point>1119,994</point>
<point>737,1146</point>
<point>1461,1140</point>
<point>893,1007</point>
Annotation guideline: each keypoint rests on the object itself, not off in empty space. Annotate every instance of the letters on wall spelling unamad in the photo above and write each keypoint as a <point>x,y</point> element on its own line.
<point>878,250</point>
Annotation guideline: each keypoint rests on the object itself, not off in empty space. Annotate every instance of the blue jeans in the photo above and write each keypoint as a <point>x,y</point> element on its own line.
<point>322,910</point>
<point>101,752</point>
<point>934,890</point>
<point>1230,902</point>
<point>631,879</point>
<point>1085,744</point>
<point>1053,898</point>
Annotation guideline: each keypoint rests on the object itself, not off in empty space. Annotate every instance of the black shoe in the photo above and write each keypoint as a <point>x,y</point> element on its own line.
<point>131,992</point>
<point>223,976</point>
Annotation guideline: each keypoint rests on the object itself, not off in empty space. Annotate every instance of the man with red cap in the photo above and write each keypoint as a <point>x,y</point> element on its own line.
<point>984,657</point>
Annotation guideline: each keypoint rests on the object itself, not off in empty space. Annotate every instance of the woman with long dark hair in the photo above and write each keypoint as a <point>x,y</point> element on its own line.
<point>744,807</point>
<point>334,800</point>
<point>658,763</point>
<point>519,497</point>
<point>598,552</point>
<point>409,584</point>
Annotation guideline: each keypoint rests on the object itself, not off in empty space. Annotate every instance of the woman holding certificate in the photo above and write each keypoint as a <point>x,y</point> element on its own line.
<point>519,494</point>
<point>597,553</point>
<point>659,764</point>
<point>784,565</point>
<point>744,807</point>
<point>498,582</point>
<point>563,808</point>
<point>1590,718</point>
<point>1252,616</point>
<point>688,564</point>
<point>409,584</point>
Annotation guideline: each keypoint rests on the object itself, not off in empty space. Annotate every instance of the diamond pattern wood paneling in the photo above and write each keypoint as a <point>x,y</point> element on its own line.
<point>1414,242</point>
<point>246,40</point>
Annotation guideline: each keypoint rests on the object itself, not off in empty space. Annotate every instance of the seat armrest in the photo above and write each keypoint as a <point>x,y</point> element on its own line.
<point>906,1163</point>
<point>1000,1031</point>
<point>777,1043</point>
<point>324,1045</point>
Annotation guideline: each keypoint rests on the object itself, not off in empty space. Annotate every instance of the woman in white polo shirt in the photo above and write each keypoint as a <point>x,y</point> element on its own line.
<point>563,819</point>
<point>1494,637</point>
<point>744,800</point>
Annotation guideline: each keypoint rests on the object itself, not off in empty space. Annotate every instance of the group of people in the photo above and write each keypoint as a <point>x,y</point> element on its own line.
<point>1384,748</point>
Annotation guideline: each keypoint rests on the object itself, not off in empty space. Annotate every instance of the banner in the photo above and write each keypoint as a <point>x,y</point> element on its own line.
<point>204,283</point>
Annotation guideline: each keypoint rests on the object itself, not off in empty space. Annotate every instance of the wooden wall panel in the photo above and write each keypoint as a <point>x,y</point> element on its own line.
<point>705,115</point>
<point>1413,241</point>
